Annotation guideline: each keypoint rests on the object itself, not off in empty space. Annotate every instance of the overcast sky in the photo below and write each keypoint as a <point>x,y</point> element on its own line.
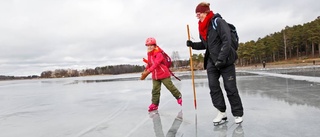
<point>41,35</point>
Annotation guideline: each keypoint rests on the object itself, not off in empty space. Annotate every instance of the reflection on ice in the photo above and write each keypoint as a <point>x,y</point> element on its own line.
<point>292,91</point>
<point>105,80</point>
<point>157,126</point>
<point>238,132</point>
<point>222,130</point>
<point>116,106</point>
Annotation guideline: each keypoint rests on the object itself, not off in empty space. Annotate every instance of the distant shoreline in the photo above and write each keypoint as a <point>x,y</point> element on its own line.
<point>283,64</point>
<point>269,66</point>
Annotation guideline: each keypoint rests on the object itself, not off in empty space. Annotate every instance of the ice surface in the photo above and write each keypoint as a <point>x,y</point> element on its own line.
<point>275,104</point>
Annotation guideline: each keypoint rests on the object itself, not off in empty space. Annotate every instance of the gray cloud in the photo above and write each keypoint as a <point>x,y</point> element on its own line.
<point>45,35</point>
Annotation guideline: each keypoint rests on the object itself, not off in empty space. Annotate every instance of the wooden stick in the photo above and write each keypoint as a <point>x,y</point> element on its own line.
<point>192,72</point>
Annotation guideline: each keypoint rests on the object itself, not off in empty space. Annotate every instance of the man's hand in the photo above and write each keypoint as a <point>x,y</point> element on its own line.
<point>219,64</point>
<point>189,43</point>
<point>144,74</point>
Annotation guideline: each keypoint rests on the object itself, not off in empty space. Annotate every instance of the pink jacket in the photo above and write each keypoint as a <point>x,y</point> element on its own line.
<point>155,65</point>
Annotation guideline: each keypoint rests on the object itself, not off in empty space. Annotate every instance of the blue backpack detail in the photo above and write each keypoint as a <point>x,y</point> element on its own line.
<point>233,32</point>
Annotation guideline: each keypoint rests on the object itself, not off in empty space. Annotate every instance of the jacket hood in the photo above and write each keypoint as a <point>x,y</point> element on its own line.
<point>217,15</point>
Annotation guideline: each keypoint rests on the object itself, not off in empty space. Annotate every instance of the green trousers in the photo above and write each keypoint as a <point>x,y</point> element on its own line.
<point>157,87</point>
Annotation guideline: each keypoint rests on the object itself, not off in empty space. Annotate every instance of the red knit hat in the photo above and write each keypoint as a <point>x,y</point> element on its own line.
<point>203,7</point>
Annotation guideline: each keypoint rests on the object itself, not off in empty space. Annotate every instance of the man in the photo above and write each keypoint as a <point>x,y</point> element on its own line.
<point>219,61</point>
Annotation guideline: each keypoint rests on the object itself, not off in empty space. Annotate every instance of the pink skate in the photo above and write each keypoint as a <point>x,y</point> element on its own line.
<point>153,107</point>
<point>179,101</point>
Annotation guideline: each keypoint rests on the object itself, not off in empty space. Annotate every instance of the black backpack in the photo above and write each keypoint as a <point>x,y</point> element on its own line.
<point>234,34</point>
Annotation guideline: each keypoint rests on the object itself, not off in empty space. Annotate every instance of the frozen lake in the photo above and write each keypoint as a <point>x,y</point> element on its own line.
<point>281,103</point>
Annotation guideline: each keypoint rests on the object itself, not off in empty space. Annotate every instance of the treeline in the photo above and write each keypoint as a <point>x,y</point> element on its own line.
<point>118,69</point>
<point>107,70</point>
<point>298,41</point>
<point>2,77</point>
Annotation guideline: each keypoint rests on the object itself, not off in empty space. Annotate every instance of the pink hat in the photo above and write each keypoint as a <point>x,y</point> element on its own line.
<point>151,41</point>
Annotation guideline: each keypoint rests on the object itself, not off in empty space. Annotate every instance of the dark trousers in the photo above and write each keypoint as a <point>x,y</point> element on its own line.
<point>229,80</point>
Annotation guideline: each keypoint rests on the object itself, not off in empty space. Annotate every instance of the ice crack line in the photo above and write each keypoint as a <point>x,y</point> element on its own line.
<point>143,121</point>
<point>112,116</point>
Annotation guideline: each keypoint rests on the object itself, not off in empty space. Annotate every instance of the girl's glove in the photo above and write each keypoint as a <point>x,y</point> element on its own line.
<point>144,74</point>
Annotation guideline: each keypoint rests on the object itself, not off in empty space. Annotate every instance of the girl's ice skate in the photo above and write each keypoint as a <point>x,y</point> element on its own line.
<point>220,118</point>
<point>153,107</point>
<point>179,101</point>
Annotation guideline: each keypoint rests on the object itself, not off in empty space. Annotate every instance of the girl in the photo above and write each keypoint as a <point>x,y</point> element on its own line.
<point>160,74</point>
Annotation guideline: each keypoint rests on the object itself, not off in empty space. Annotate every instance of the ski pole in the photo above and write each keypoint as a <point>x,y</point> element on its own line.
<point>192,73</point>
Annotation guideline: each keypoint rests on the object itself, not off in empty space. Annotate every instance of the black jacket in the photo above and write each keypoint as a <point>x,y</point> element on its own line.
<point>218,44</point>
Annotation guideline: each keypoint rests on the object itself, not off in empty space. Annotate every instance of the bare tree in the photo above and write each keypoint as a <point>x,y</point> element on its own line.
<point>175,59</point>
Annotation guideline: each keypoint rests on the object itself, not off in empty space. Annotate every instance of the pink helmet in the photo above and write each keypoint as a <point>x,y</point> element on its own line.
<point>151,41</point>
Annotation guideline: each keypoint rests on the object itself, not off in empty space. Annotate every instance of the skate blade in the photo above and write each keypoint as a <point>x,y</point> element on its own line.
<point>153,114</point>
<point>220,123</point>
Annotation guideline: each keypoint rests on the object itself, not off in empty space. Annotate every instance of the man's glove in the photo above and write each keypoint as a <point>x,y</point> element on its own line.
<point>219,64</point>
<point>144,74</point>
<point>189,43</point>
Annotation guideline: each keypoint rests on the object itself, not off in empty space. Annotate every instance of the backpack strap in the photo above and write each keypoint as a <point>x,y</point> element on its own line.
<point>174,75</point>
